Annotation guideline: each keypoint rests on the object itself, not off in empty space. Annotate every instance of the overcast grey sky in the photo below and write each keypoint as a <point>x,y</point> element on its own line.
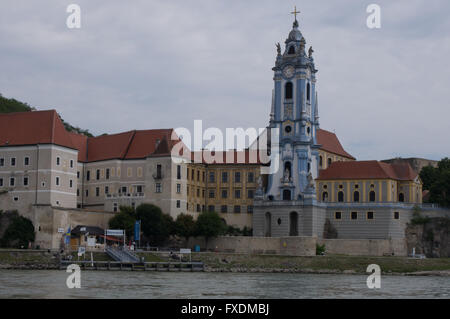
<point>159,64</point>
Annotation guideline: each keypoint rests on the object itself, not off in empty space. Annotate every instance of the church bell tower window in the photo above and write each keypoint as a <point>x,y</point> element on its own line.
<point>288,91</point>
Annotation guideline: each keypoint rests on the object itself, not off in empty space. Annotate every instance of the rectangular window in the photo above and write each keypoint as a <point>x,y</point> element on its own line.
<point>224,193</point>
<point>211,208</point>
<point>129,171</point>
<point>58,161</point>
<point>178,188</point>
<point>250,209</point>
<point>158,171</point>
<point>26,161</point>
<point>178,171</point>
<point>139,189</point>
<point>198,192</point>
<point>106,190</point>
<point>237,209</point>
<point>25,181</point>
<point>198,208</point>
<point>370,215</point>
<point>187,173</point>
<point>70,183</point>
<point>203,176</point>
<point>203,193</point>
<point>193,174</point>
<point>250,193</point>
<point>224,177</point>
<point>115,207</point>
<point>107,173</point>
<point>78,174</point>
<point>224,209</point>
<point>250,177</point>
<point>198,176</point>
<point>354,215</point>
<point>124,189</point>
<point>187,190</point>
<point>87,193</point>
<point>158,187</point>
<point>97,191</point>
<point>237,193</point>
<point>211,194</point>
<point>78,192</point>
<point>57,181</point>
<point>1,182</point>
<point>396,215</point>
<point>211,177</point>
<point>71,163</point>
<point>178,203</point>
<point>237,177</point>
<point>337,215</point>
<point>13,161</point>
<point>2,162</point>
<point>88,175</point>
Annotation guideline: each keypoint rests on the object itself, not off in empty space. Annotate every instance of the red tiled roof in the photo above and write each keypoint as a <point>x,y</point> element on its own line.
<point>31,128</point>
<point>45,127</point>
<point>330,143</point>
<point>80,143</point>
<point>367,170</point>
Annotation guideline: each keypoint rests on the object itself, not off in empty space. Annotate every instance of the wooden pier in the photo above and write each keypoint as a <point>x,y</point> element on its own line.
<point>133,266</point>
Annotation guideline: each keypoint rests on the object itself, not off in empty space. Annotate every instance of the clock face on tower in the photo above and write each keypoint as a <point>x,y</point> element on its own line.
<point>288,71</point>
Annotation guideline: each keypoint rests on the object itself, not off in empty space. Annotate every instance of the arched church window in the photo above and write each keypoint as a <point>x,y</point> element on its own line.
<point>356,196</point>
<point>401,197</point>
<point>308,92</point>
<point>320,161</point>
<point>325,197</point>
<point>329,161</point>
<point>372,196</point>
<point>341,196</point>
<point>291,50</point>
<point>288,89</point>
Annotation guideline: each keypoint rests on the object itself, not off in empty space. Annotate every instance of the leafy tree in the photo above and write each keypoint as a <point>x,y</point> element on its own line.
<point>437,181</point>
<point>156,226</point>
<point>209,224</point>
<point>19,233</point>
<point>125,219</point>
<point>12,105</point>
<point>185,226</point>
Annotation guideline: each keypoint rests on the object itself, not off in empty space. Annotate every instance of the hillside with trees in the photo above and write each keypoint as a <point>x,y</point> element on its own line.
<point>13,105</point>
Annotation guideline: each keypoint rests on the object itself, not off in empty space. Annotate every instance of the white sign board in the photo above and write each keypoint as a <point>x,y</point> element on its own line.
<point>91,241</point>
<point>81,250</point>
<point>185,250</point>
<point>60,230</point>
<point>114,232</point>
<point>83,229</point>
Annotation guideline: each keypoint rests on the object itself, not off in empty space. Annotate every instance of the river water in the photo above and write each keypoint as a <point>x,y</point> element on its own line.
<point>124,284</point>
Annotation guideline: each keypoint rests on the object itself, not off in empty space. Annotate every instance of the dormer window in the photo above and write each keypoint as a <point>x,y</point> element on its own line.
<point>291,50</point>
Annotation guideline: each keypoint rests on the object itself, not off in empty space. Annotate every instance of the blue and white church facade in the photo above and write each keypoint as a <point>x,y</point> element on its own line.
<point>347,199</point>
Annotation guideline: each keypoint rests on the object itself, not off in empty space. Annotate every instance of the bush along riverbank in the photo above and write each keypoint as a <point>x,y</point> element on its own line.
<point>219,262</point>
<point>228,262</point>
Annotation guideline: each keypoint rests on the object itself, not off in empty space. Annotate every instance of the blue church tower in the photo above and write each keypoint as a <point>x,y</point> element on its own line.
<point>295,115</point>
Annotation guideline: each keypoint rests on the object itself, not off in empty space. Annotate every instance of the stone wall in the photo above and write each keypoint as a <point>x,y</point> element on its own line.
<point>293,246</point>
<point>47,220</point>
<point>365,247</point>
<point>302,246</point>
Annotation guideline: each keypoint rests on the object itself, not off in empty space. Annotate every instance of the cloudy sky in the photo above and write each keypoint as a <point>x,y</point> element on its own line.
<point>157,64</point>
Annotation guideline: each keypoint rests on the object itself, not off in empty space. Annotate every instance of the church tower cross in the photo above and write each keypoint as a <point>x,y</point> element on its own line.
<point>295,12</point>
